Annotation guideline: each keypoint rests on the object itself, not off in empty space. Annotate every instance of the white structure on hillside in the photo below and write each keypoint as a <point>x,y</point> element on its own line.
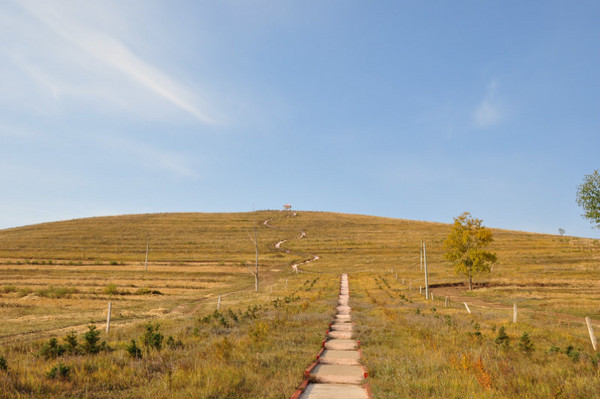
<point>287,207</point>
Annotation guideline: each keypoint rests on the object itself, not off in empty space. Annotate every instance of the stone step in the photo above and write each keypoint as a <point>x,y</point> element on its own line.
<point>343,317</point>
<point>339,357</point>
<point>337,374</point>
<point>341,344</point>
<point>340,334</point>
<point>343,309</point>
<point>334,391</point>
<point>341,327</point>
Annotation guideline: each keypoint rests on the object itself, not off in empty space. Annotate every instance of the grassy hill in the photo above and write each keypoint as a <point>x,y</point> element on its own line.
<point>57,277</point>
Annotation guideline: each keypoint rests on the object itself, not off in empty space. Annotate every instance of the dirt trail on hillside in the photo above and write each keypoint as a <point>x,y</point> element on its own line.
<point>295,266</point>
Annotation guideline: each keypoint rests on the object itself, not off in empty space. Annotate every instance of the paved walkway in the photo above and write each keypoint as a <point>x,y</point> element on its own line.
<point>338,372</point>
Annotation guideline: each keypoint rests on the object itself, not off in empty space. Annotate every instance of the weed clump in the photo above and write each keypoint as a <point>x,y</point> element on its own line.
<point>3,364</point>
<point>111,289</point>
<point>573,354</point>
<point>59,371</point>
<point>174,344</point>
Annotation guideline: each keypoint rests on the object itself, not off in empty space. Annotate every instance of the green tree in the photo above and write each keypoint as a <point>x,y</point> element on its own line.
<point>464,247</point>
<point>588,197</point>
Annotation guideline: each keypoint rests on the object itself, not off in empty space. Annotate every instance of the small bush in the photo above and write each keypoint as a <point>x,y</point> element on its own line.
<point>71,342</point>
<point>525,343</point>
<point>133,350</point>
<point>60,371</point>
<point>152,338</point>
<point>90,340</point>
<point>51,349</point>
<point>502,339</point>
<point>553,349</point>
<point>3,363</point>
<point>572,353</point>
<point>111,289</point>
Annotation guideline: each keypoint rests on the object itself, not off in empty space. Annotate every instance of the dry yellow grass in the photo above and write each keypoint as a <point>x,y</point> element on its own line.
<point>59,276</point>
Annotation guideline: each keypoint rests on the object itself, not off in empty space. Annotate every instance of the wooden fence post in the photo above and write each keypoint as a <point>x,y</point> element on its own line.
<point>219,302</point>
<point>467,306</point>
<point>446,302</point>
<point>591,331</point>
<point>146,262</point>
<point>515,312</point>
<point>108,317</point>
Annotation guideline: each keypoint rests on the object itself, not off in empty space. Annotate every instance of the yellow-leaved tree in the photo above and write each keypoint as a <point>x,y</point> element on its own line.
<point>465,247</point>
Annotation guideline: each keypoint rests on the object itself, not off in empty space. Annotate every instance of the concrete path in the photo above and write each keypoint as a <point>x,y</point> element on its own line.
<point>338,372</point>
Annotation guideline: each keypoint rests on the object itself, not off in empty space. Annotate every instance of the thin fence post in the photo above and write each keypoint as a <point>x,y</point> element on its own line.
<point>219,302</point>
<point>591,331</point>
<point>467,306</point>
<point>425,267</point>
<point>446,302</point>
<point>108,316</point>
<point>515,312</point>
<point>146,262</point>
<point>432,296</point>
<point>420,290</point>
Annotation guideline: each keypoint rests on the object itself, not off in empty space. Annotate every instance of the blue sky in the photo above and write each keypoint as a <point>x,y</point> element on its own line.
<point>405,109</point>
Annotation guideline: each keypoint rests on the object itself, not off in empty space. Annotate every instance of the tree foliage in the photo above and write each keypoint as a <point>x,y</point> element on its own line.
<point>588,197</point>
<point>465,247</point>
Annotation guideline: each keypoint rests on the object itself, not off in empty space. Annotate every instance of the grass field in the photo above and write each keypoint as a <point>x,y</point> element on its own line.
<point>56,278</point>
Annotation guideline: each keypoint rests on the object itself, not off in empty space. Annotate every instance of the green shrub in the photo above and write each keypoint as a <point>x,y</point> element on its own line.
<point>502,339</point>
<point>90,340</point>
<point>152,338</point>
<point>525,343</point>
<point>59,371</point>
<point>71,342</point>
<point>572,353</point>
<point>51,349</point>
<point>3,363</point>
<point>133,350</point>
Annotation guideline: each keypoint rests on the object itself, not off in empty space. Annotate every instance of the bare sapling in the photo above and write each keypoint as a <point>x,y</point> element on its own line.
<point>255,272</point>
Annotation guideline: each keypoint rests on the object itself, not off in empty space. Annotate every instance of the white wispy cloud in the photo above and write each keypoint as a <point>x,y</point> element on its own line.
<point>490,111</point>
<point>76,61</point>
<point>146,156</point>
